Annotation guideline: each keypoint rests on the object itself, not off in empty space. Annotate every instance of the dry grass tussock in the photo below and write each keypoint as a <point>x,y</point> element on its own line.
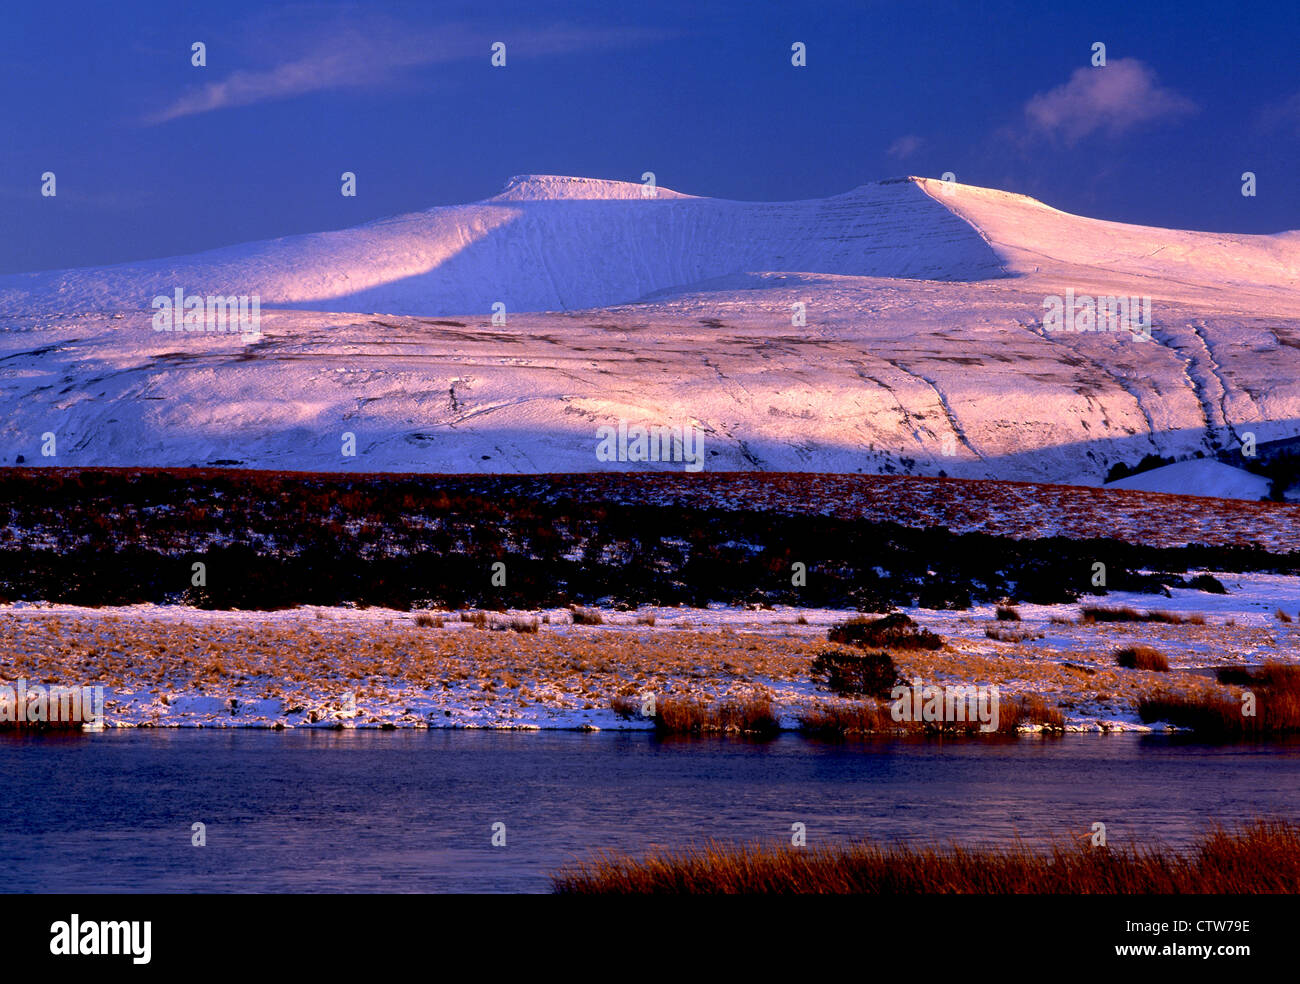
<point>1271,708</point>
<point>873,718</point>
<point>525,625</point>
<point>1123,613</point>
<point>1141,658</point>
<point>686,716</point>
<point>1005,633</point>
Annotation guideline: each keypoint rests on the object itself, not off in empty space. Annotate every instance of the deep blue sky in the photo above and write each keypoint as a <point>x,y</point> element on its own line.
<point>154,157</point>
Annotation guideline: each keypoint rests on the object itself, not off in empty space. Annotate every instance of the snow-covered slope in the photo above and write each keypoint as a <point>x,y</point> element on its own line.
<point>1198,477</point>
<point>544,244</point>
<point>1032,238</point>
<point>921,346</point>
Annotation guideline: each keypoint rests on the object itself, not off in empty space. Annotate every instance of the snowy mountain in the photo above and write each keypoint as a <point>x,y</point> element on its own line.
<point>898,327</point>
<point>1198,477</point>
<point>547,244</point>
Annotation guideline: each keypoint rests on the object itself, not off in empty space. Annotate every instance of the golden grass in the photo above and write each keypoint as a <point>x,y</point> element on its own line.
<point>873,718</point>
<point>1029,710</point>
<point>686,716</point>
<point>1279,676</point>
<point>863,717</point>
<point>309,658</point>
<point>1259,858</point>
<point>1276,713</point>
<point>1274,690</point>
<point>305,660</point>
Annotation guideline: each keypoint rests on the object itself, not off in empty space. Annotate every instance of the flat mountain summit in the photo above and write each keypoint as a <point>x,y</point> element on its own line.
<point>553,243</point>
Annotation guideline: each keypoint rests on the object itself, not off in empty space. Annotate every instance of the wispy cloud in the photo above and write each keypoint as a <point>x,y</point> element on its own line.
<point>378,53</point>
<point>1110,100</point>
<point>1283,114</point>
<point>905,147</point>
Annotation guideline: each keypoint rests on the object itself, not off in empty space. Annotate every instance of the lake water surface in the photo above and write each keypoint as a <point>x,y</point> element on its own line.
<point>366,811</point>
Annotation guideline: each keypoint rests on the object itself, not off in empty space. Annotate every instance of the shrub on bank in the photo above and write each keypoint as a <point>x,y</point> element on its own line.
<point>893,631</point>
<point>855,674</point>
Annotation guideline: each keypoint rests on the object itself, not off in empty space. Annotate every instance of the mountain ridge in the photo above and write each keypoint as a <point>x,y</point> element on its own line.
<point>556,242</point>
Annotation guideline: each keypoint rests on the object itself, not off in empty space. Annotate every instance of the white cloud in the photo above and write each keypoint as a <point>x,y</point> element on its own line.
<point>1112,100</point>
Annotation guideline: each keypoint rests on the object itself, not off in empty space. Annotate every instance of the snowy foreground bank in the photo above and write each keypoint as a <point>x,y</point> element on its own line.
<point>168,666</point>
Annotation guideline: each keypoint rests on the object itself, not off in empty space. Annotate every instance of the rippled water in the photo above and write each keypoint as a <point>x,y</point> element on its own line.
<point>359,811</point>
